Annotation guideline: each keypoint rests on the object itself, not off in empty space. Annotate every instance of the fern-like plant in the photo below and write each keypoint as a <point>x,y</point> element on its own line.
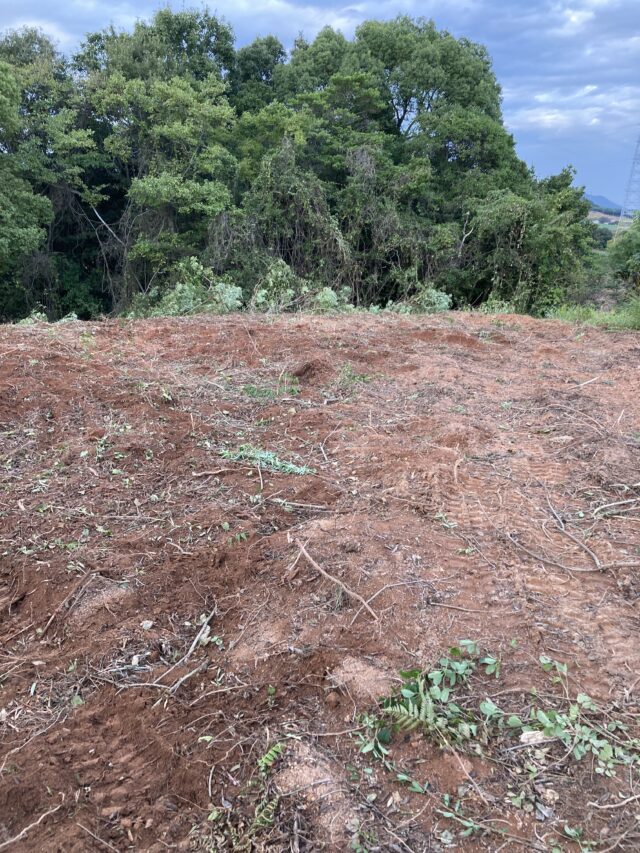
<point>413,708</point>
<point>266,761</point>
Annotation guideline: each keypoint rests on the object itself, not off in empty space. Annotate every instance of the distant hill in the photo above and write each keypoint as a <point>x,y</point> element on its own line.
<point>604,204</point>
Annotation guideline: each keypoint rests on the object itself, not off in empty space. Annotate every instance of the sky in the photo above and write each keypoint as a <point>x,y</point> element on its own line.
<point>569,69</point>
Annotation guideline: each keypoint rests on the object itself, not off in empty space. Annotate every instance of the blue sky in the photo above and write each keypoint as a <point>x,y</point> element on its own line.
<point>570,69</point>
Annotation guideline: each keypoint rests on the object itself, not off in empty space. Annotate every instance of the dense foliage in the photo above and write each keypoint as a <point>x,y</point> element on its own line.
<point>165,169</point>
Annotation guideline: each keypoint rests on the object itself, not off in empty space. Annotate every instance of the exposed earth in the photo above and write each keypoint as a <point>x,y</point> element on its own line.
<point>222,540</point>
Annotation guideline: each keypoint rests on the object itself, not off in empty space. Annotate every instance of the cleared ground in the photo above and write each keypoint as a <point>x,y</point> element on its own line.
<point>221,541</point>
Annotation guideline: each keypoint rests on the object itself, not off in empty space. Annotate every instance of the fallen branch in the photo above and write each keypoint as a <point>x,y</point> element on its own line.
<point>335,580</point>
<point>616,805</point>
<point>176,686</point>
<point>97,837</point>
<point>382,589</point>
<point>616,503</point>
<point>546,560</point>
<point>476,787</point>
<point>192,648</point>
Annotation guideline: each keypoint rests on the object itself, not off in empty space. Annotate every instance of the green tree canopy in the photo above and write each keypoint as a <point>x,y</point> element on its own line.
<point>378,164</point>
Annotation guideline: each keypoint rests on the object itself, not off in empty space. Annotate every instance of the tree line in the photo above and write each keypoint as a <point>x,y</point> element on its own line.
<point>167,164</point>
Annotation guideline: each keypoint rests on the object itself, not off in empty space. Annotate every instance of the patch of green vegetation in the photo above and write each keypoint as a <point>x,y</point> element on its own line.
<point>265,459</point>
<point>626,316</point>
<point>349,376</point>
<point>287,386</point>
<point>555,730</point>
<point>258,393</point>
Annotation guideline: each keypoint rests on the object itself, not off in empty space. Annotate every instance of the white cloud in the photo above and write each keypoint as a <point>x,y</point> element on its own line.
<point>57,33</point>
<point>613,110</point>
<point>572,20</point>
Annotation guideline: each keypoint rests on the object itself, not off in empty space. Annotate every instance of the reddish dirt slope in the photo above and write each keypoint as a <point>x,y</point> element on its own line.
<point>472,477</point>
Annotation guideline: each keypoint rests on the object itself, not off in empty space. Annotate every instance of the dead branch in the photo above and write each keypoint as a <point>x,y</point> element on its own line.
<point>335,580</point>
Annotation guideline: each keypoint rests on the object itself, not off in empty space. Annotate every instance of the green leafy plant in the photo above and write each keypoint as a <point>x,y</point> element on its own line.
<point>265,459</point>
<point>266,761</point>
<point>425,701</point>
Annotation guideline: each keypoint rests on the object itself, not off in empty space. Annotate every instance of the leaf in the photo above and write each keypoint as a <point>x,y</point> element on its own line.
<point>470,646</point>
<point>489,708</point>
<point>409,674</point>
<point>572,832</point>
<point>541,717</point>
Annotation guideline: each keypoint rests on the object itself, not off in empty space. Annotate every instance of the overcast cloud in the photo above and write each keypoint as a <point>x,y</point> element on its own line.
<point>570,69</point>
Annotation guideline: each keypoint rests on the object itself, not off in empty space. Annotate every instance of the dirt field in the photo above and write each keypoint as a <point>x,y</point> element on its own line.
<point>222,540</point>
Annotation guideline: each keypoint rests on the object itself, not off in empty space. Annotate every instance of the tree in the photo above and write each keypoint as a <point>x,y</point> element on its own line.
<point>251,82</point>
<point>379,164</point>
<point>164,144</point>
<point>55,155</point>
<point>623,253</point>
<point>530,251</point>
<point>420,68</point>
<point>23,214</point>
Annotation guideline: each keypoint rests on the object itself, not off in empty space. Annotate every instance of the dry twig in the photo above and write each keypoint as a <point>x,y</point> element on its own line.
<point>27,829</point>
<point>335,580</point>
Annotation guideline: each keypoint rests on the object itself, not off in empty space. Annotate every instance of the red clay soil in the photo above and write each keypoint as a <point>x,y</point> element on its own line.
<point>466,476</point>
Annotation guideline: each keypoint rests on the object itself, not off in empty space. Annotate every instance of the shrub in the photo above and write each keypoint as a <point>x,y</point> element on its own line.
<point>194,293</point>
<point>427,300</point>
<point>33,318</point>
<point>327,300</point>
<point>279,288</point>
<point>494,305</point>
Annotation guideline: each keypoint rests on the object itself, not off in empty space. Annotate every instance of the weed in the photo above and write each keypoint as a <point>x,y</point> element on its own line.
<point>626,316</point>
<point>549,734</point>
<point>264,459</point>
<point>373,740</point>
<point>348,376</point>
<point>362,840</point>
<point>266,761</point>
<point>442,518</point>
<point>258,393</point>
<point>287,386</point>
<point>454,811</point>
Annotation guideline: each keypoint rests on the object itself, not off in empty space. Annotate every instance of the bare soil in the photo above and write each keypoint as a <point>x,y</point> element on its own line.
<point>466,476</point>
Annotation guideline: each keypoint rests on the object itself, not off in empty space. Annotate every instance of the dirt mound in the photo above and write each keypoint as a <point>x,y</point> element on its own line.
<point>223,539</point>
